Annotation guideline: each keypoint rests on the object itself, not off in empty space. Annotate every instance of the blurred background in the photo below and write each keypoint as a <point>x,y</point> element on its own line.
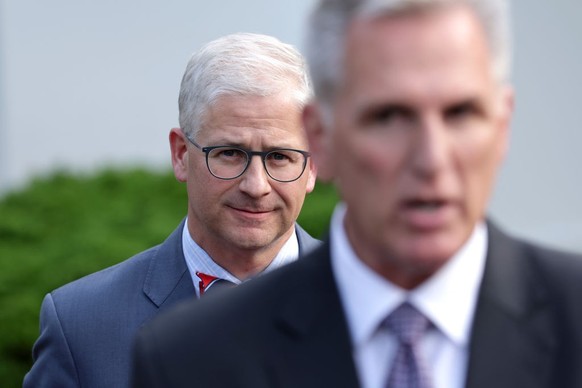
<point>85,84</point>
<point>88,93</point>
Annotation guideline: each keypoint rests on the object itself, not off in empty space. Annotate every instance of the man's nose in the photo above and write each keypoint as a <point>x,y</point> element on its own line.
<point>431,148</point>
<point>255,181</point>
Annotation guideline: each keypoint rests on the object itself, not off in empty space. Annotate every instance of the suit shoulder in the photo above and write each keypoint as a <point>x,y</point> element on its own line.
<point>560,271</point>
<point>540,261</point>
<point>555,262</point>
<point>124,276</point>
<point>108,280</point>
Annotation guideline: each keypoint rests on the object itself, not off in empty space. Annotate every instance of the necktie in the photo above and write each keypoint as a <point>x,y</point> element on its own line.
<point>408,368</point>
<point>212,284</point>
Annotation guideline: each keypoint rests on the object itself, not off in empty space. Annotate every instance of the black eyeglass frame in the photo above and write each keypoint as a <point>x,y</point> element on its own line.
<point>250,154</point>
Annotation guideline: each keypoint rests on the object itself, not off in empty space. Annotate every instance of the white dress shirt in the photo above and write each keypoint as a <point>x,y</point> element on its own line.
<point>448,299</point>
<point>198,260</point>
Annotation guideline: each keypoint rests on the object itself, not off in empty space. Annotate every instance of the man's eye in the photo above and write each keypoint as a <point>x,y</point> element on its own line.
<point>388,115</point>
<point>278,156</point>
<point>281,158</point>
<point>461,111</point>
<point>230,153</point>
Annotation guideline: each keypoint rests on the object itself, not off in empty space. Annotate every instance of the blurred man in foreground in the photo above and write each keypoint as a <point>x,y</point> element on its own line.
<point>242,152</point>
<point>415,287</point>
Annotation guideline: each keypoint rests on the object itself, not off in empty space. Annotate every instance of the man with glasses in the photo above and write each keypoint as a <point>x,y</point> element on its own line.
<point>227,162</point>
<point>242,152</point>
<point>415,287</point>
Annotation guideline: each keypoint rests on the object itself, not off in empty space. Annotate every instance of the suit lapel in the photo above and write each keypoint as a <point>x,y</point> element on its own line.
<point>513,340</point>
<point>305,241</point>
<point>313,331</point>
<point>168,280</point>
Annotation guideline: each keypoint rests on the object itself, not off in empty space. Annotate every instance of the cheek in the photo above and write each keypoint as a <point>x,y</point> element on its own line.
<point>290,195</point>
<point>480,162</point>
<point>361,154</point>
<point>366,175</point>
<point>486,156</point>
<point>205,190</point>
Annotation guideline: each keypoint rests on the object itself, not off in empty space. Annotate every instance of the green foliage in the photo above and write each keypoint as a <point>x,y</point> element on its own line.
<point>65,226</point>
<point>317,209</point>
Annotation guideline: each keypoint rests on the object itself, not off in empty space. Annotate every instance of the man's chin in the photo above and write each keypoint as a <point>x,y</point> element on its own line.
<point>252,238</point>
<point>431,252</point>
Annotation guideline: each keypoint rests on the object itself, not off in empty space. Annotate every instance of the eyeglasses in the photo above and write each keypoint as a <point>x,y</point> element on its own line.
<point>227,162</point>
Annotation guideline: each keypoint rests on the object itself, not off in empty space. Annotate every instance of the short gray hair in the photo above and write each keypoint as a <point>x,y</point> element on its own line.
<point>240,64</point>
<point>331,18</point>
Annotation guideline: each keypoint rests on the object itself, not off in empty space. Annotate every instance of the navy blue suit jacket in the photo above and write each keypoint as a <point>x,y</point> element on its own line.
<point>87,326</point>
<point>288,328</point>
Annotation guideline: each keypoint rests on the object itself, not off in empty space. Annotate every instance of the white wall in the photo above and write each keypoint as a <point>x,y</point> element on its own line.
<point>540,189</point>
<point>88,83</point>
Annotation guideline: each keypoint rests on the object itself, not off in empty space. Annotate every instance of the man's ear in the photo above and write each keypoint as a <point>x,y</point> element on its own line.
<point>319,140</point>
<point>504,126</point>
<point>179,150</point>
<point>312,171</point>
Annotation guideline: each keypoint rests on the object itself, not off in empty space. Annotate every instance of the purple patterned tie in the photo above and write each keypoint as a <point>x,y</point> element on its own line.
<point>408,368</point>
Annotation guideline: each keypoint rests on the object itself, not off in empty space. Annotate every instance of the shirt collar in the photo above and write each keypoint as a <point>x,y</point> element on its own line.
<point>448,298</point>
<point>198,260</point>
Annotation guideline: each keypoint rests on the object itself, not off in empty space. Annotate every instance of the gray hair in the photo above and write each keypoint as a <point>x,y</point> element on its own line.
<point>331,18</point>
<point>240,64</point>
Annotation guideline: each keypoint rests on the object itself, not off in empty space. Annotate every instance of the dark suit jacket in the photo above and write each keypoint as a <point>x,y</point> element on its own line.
<point>87,326</point>
<point>288,328</point>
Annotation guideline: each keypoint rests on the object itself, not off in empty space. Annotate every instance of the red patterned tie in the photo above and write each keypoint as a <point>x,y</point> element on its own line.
<point>208,282</point>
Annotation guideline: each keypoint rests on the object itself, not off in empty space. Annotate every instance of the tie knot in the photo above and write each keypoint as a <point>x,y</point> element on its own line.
<point>209,282</point>
<point>407,323</point>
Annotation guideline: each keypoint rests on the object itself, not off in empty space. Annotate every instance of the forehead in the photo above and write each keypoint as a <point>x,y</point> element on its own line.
<point>417,52</point>
<point>242,119</point>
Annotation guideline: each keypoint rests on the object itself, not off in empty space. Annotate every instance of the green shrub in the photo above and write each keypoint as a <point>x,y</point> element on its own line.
<point>65,226</point>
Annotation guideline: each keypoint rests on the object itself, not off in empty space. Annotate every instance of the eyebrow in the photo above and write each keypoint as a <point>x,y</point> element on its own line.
<point>368,112</point>
<point>371,112</point>
<point>245,147</point>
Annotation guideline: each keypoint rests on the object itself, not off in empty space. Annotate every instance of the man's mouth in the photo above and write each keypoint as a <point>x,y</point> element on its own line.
<point>425,205</point>
<point>427,214</point>
<point>253,210</point>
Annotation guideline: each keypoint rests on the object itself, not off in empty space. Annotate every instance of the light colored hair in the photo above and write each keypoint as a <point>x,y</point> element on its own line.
<point>331,18</point>
<point>242,64</point>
